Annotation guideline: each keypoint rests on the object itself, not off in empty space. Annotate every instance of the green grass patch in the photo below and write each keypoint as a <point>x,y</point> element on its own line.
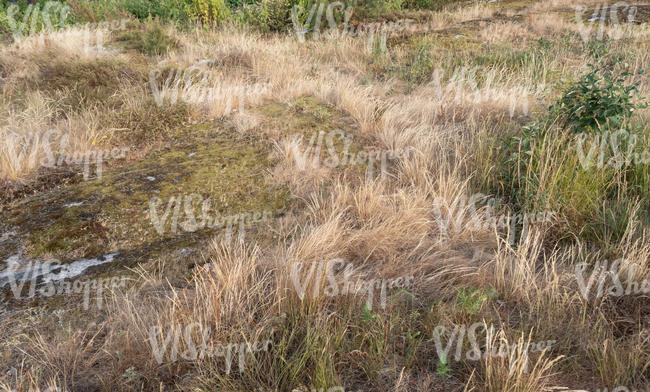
<point>150,39</point>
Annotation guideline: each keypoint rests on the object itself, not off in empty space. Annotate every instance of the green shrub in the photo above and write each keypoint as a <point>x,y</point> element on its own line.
<point>168,10</point>
<point>545,168</point>
<point>422,65</point>
<point>267,15</point>
<point>151,40</point>
<point>23,19</point>
<point>426,4</point>
<point>207,11</point>
<point>278,12</point>
<point>84,11</point>
<point>599,98</point>
<point>371,9</point>
<point>179,11</point>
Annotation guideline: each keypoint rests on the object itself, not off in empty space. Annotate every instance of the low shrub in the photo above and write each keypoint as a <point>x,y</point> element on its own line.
<point>207,11</point>
<point>557,161</point>
<point>422,65</point>
<point>151,40</point>
<point>600,98</point>
<point>267,15</point>
<point>426,4</point>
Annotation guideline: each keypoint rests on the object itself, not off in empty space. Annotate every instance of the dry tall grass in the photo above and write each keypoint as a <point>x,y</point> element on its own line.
<point>386,227</point>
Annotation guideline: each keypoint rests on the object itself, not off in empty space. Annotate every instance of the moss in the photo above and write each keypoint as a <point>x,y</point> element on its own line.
<point>308,117</point>
<point>204,159</point>
<point>115,212</point>
<point>305,115</point>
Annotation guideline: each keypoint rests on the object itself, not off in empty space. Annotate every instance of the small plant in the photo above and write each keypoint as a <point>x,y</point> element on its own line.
<point>544,43</point>
<point>368,315</point>
<point>422,66</point>
<point>472,300</point>
<point>412,343</point>
<point>598,101</point>
<point>544,168</point>
<point>442,367</point>
<point>597,49</point>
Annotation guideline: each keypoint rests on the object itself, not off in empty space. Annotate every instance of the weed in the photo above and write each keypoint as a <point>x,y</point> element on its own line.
<point>472,300</point>
<point>442,367</point>
<point>422,65</point>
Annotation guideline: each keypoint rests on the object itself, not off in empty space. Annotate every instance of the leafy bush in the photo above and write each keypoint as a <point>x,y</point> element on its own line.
<point>267,15</point>
<point>179,11</point>
<point>365,9</point>
<point>598,98</point>
<point>278,12</point>
<point>426,4</point>
<point>545,170</point>
<point>170,10</point>
<point>207,11</point>
<point>83,11</point>
<point>152,40</point>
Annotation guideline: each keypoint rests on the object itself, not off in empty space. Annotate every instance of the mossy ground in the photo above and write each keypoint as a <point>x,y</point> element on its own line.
<point>114,212</point>
<point>84,219</point>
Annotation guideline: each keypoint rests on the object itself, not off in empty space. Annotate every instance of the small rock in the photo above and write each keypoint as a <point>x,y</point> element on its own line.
<point>150,178</point>
<point>12,372</point>
<point>7,235</point>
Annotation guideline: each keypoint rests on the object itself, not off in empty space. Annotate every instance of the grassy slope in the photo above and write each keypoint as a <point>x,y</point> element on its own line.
<point>386,228</point>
